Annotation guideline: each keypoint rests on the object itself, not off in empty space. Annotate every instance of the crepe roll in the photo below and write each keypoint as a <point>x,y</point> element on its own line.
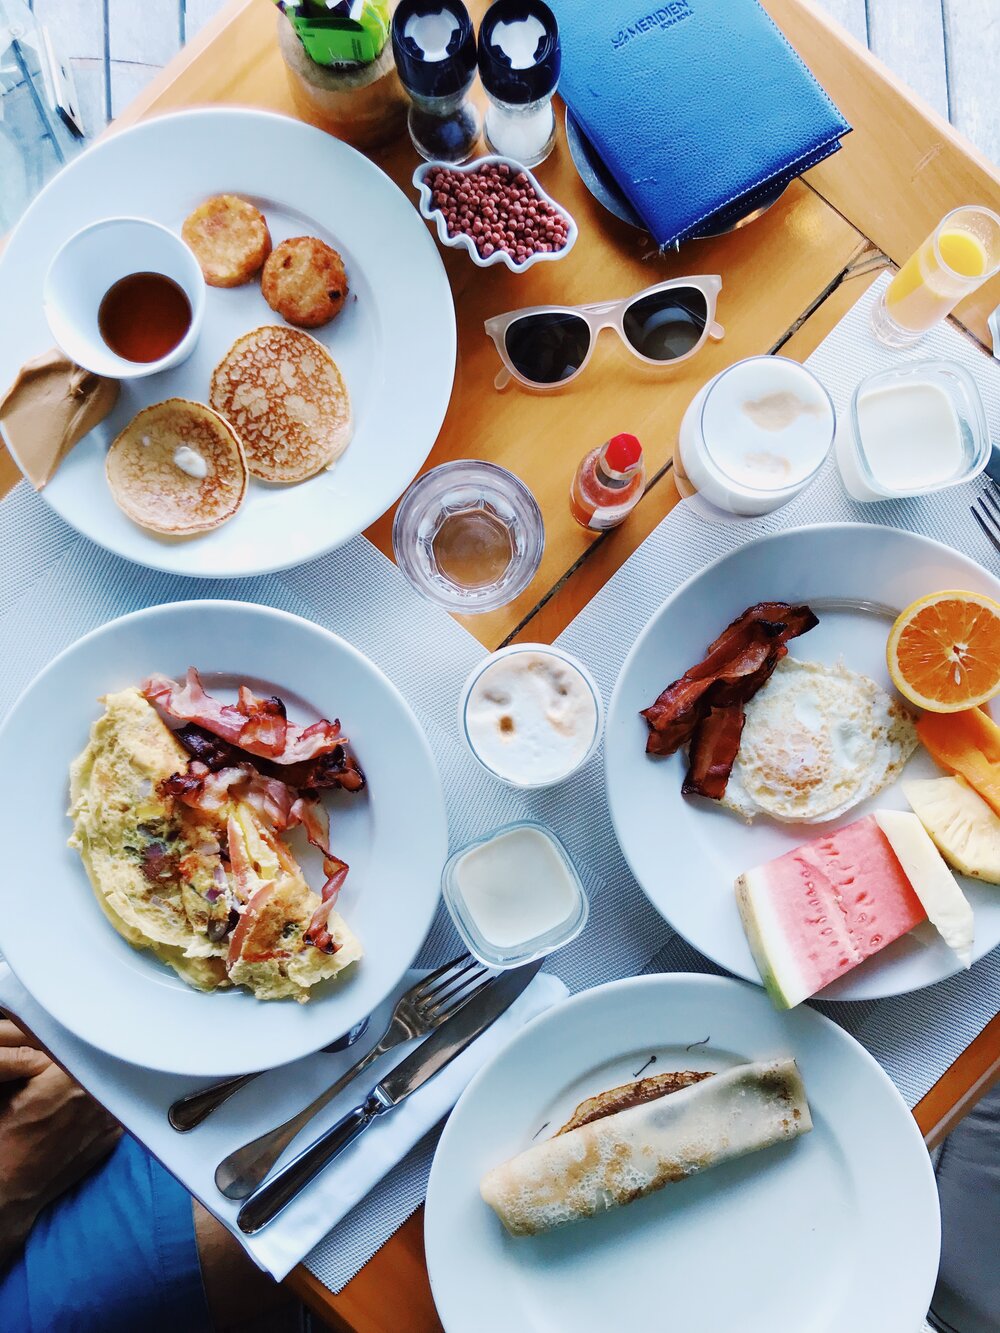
<point>630,1153</point>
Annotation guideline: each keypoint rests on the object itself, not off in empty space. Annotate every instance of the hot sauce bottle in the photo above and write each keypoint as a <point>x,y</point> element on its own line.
<point>608,483</point>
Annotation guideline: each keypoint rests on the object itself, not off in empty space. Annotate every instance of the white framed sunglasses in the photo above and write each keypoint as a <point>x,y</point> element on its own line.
<point>547,346</point>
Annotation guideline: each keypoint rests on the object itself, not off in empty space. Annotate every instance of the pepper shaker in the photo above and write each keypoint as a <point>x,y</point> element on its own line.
<point>435,50</point>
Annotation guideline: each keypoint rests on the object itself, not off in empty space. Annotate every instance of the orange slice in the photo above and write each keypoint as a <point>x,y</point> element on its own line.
<point>943,652</point>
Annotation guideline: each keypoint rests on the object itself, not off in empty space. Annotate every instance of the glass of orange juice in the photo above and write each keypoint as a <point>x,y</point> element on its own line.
<point>961,253</point>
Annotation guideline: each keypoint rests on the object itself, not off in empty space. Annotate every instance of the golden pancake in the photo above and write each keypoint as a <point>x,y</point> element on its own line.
<point>287,401</point>
<point>177,468</point>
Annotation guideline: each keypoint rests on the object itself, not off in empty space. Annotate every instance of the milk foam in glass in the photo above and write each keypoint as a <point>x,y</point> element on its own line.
<point>531,714</point>
<point>754,436</point>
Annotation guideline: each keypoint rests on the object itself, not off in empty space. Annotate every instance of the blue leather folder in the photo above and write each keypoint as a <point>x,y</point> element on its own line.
<point>700,109</point>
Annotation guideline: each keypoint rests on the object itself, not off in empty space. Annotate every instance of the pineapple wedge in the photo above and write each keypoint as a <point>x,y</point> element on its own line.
<point>947,907</point>
<point>965,828</point>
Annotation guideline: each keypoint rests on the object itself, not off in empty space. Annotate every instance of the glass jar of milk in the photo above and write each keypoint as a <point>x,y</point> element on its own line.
<point>515,895</point>
<point>917,428</point>
<point>754,436</point>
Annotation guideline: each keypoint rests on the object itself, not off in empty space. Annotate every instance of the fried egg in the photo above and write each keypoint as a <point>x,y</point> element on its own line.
<point>818,740</point>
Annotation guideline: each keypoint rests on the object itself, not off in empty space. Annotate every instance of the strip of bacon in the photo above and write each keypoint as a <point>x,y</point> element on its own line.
<point>336,768</point>
<point>678,710</point>
<point>714,747</point>
<point>247,920</point>
<point>791,620</point>
<point>256,725</point>
<point>266,729</point>
<point>317,932</point>
<point>734,668</point>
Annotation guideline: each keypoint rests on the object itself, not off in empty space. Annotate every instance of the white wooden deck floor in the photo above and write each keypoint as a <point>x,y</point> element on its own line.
<point>948,51</point>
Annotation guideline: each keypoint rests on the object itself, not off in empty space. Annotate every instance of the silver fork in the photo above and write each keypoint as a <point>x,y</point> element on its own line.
<point>423,1008</point>
<point>985,509</point>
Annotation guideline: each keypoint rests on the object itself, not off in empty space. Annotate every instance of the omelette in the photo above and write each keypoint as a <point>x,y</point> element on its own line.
<point>817,741</point>
<point>215,894</point>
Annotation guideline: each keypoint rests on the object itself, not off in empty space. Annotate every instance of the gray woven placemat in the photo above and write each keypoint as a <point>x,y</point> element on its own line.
<point>55,586</point>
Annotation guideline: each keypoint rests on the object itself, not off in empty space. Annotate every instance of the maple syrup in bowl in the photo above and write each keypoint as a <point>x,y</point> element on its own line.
<point>144,316</point>
<point>125,298</point>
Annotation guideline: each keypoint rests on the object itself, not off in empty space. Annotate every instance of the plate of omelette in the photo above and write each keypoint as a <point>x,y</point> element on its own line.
<point>237,829</point>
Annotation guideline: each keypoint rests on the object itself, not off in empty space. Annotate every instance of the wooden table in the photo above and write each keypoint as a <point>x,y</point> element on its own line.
<point>788,279</point>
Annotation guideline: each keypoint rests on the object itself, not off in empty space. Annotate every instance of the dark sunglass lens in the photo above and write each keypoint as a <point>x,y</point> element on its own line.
<point>547,348</point>
<point>666,325</point>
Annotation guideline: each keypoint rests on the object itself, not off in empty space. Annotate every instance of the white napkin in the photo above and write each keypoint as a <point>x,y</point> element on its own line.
<point>139,1099</point>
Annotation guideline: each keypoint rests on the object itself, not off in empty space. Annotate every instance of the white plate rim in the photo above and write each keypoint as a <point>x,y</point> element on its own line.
<point>148,552</point>
<point>454,1314</point>
<point>614,707</point>
<point>431,787</point>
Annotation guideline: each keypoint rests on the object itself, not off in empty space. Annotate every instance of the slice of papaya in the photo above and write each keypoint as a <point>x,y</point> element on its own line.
<point>967,743</point>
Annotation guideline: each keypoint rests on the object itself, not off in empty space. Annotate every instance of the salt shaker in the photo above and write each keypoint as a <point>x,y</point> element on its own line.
<point>435,50</point>
<point>519,59</point>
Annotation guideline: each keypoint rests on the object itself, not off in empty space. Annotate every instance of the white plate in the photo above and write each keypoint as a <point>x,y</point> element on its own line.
<point>394,343</point>
<point>394,836</point>
<point>837,1230</point>
<point>685,853</point>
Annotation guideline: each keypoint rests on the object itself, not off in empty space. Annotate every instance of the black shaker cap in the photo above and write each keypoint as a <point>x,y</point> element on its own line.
<point>519,86</point>
<point>434,78</point>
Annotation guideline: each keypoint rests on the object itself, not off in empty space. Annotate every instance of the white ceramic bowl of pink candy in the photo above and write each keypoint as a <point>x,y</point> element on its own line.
<point>548,233</point>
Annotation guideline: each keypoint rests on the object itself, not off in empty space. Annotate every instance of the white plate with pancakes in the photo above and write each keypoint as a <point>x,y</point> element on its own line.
<point>836,1230</point>
<point>686,852</point>
<point>393,835</point>
<point>394,340</point>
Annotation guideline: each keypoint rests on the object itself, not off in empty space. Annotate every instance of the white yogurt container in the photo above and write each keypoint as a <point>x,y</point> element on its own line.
<point>531,714</point>
<point>917,428</point>
<point>754,436</point>
<point>514,895</point>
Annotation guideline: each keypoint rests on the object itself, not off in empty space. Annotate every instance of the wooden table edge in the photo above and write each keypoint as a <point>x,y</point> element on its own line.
<point>840,35</point>
<point>961,1086</point>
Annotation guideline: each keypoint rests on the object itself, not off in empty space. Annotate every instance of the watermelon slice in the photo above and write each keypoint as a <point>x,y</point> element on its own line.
<point>816,912</point>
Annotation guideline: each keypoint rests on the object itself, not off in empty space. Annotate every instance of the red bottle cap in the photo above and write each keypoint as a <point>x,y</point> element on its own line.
<point>622,452</point>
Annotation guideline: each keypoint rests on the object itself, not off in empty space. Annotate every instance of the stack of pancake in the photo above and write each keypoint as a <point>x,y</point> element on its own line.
<point>279,411</point>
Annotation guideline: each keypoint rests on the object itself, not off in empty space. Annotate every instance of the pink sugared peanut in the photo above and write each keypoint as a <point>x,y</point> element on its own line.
<point>498,210</point>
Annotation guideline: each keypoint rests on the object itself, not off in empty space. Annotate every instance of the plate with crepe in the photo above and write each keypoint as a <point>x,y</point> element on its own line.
<point>761,767</point>
<point>831,1224</point>
<point>329,348</point>
<point>235,835</point>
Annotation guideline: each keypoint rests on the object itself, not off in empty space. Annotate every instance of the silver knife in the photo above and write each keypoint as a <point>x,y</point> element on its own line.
<point>428,1059</point>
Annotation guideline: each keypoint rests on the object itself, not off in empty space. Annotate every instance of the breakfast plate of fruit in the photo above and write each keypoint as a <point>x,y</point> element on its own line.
<point>803,767</point>
<point>266,335</point>
<point>671,1151</point>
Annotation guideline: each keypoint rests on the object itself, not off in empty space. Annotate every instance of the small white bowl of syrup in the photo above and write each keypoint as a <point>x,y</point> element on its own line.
<point>125,298</point>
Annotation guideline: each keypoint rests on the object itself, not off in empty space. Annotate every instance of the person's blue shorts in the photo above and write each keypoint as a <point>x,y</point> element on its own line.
<point>115,1254</point>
